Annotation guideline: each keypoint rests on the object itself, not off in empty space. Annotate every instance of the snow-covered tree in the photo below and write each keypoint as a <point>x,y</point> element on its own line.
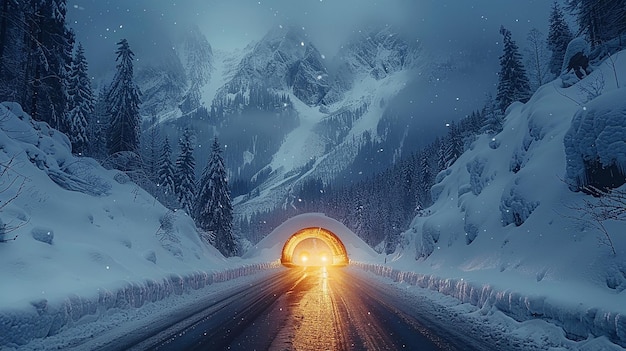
<point>97,128</point>
<point>559,36</point>
<point>123,99</point>
<point>426,177</point>
<point>213,210</point>
<point>185,173</point>
<point>513,82</point>
<point>537,59</point>
<point>35,56</point>
<point>452,145</point>
<point>492,117</point>
<point>600,20</point>
<point>80,102</point>
<point>12,47</point>
<point>50,85</point>
<point>151,149</point>
<point>165,173</point>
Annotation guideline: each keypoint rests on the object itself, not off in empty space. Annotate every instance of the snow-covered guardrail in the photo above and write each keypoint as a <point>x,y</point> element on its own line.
<point>577,321</point>
<point>46,318</point>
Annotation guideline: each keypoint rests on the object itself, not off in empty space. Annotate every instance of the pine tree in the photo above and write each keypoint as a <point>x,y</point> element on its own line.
<point>123,100</point>
<point>213,210</point>
<point>185,175</point>
<point>7,16</point>
<point>80,102</point>
<point>35,56</point>
<point>600,20</point>
<point>98,128</point>
<point>166,178</point>
<point>426,180</point>
<point>441,154</point>
<point>453,146</point>
<point>12,51</point>
<point>513,82</point>
<point>492,117</point>
<point>51,85</point>
<point>151,149</point>
<point>559,36</point>
<point>408,184</point>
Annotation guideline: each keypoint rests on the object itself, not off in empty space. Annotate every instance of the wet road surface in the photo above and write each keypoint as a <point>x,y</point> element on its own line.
<point>312,308</point>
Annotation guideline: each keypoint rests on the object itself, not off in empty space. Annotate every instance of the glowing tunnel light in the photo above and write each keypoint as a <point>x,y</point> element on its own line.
<point>338,256</point>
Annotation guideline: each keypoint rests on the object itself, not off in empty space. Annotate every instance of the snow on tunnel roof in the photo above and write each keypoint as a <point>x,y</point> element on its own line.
<point>270,248</point>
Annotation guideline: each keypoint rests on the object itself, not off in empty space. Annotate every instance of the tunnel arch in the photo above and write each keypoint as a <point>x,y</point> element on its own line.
<point>339,254</point>
<point>270,248</point>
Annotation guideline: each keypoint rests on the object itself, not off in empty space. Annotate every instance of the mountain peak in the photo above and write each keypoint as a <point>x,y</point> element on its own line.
<point>289,32</point>
<point>379,51</point>
<point>284,59</point>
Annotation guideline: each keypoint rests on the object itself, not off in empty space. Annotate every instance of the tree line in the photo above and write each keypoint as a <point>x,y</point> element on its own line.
<point>45,70</point>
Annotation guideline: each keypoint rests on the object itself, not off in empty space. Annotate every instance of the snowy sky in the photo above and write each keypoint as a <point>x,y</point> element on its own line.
<point>467,31</point>
<point>229,24</point>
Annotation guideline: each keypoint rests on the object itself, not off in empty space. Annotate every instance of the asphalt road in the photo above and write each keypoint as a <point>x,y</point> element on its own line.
<point>311,308</point>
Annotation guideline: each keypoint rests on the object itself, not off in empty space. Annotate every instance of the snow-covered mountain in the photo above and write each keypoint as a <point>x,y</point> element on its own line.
<point>163,83</point>
<point>285,112</point>
<point>172,82</point>
<point>197,57</point>
<point>283,60</point>
<point>376,52</point>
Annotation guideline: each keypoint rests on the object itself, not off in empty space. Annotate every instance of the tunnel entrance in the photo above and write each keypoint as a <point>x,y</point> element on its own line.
<point>330,252</point>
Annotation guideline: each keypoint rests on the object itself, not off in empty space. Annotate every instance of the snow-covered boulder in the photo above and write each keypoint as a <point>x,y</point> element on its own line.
<point>576,62</point>
<point>595,144</point>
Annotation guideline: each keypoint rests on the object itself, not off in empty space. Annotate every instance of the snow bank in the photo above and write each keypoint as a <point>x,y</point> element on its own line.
<point>46,318</point>
<point>577,320</point>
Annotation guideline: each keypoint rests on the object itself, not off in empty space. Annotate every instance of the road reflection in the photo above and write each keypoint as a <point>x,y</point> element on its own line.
<point>305,308</point>
<point>333,311</point>
<point>312,318</point>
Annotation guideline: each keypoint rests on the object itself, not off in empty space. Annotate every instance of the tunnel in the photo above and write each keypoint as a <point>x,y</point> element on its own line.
<point>336,256</point>
<point>283,241</point>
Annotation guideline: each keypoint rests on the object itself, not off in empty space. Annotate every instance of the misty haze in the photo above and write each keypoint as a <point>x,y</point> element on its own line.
<point>313,175</point>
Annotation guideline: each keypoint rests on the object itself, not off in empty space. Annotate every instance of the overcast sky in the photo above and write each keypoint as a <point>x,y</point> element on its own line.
<point>441,25</point>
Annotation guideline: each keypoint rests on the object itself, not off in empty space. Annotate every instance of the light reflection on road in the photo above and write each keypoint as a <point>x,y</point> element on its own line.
<point>306,308</point>
<point>312,319</point>
<point>333,311</point>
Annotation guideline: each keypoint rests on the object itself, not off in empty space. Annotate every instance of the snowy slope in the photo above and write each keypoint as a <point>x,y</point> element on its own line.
<point>504,232</point>
<point>86,239</point>
<point>305,143</point>
<point>224,68</point>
